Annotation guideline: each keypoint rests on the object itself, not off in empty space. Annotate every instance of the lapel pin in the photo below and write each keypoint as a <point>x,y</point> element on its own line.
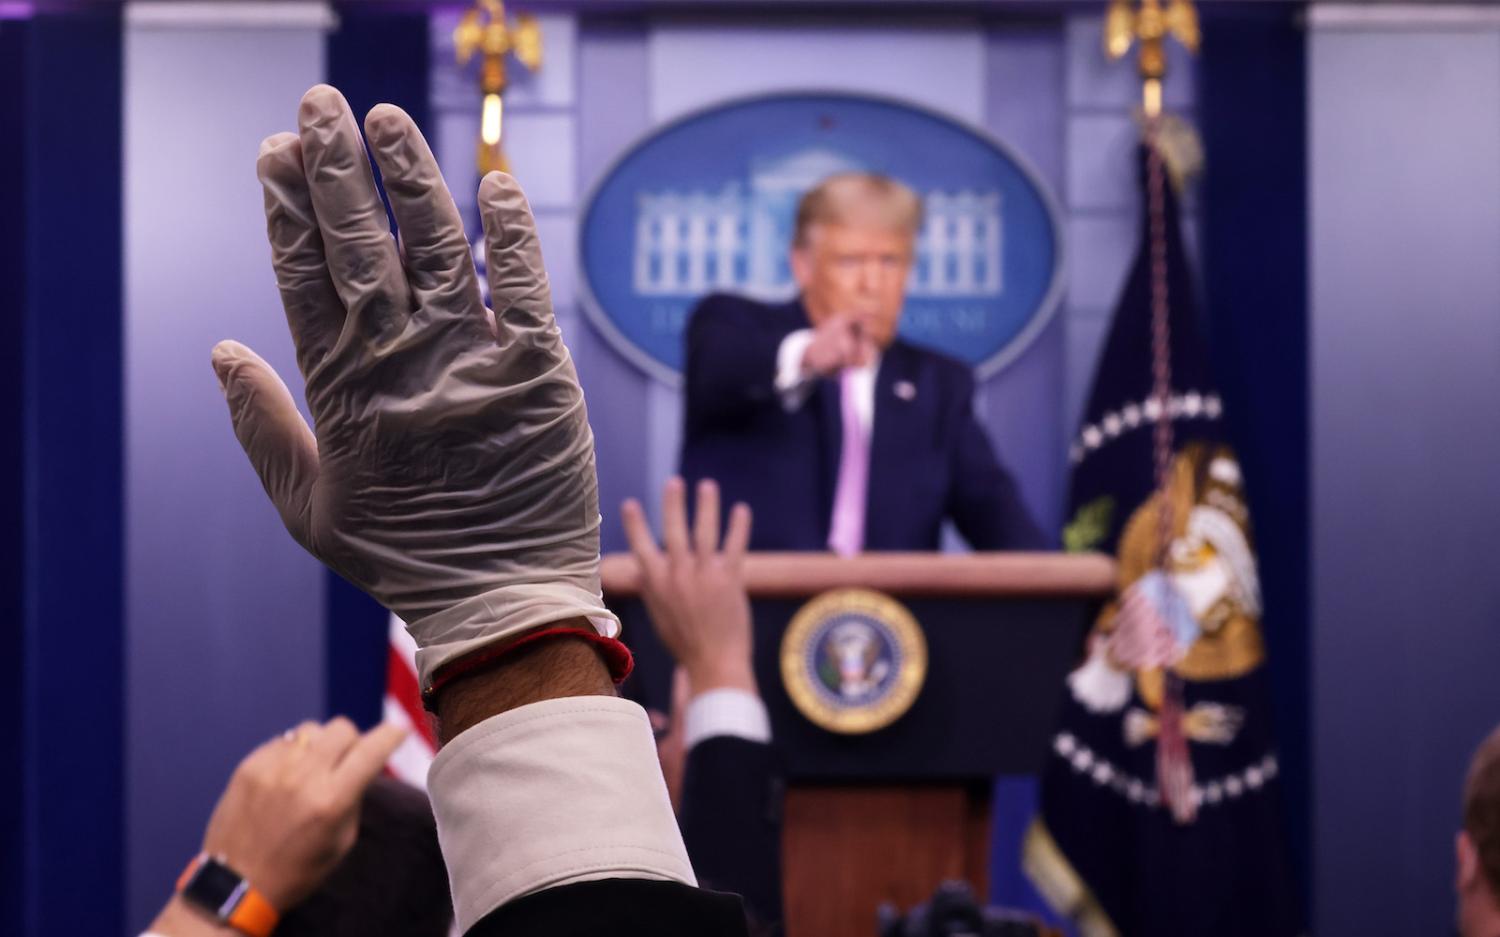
<point>906,390</point>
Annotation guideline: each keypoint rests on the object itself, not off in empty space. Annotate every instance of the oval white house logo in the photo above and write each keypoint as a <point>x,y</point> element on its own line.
<point>706,204</point>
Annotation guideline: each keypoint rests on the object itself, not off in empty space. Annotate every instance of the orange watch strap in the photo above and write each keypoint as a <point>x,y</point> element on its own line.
<point>254,915</point>
<point>187,873</point>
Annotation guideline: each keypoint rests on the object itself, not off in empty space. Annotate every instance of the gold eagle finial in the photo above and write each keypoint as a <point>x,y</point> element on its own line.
<point>484,30</point>
<point>1151,24</point>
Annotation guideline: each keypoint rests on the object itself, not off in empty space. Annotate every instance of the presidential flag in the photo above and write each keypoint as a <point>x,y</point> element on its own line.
<point>1159,802</point>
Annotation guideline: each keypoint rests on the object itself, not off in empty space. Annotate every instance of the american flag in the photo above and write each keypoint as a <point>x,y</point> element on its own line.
<point>403,706</point>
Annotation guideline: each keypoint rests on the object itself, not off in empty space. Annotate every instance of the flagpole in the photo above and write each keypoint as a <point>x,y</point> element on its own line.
<point>484,31</point>
<point>1148,28</point>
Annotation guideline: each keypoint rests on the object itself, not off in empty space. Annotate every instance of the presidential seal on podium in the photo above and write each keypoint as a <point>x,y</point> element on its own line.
<point>853,660</point>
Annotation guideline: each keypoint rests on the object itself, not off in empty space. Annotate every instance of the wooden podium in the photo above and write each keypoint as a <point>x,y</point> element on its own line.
<point>888,816</point>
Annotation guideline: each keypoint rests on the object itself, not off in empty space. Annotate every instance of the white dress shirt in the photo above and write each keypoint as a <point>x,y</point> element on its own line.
<point>793,384</point>
<point>725,711</point>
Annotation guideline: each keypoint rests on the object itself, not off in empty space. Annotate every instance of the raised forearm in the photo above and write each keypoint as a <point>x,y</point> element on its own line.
<point>550,669</point>
<point>721,672</point>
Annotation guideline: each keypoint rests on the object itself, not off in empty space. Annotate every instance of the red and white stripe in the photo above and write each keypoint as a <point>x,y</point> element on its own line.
<point>403,706</point>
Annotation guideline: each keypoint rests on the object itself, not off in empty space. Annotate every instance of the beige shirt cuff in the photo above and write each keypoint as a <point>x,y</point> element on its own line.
<point>792,385</point>
<point>562,791</point>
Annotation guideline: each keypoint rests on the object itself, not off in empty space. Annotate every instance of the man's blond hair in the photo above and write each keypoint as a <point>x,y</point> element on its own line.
<point>857,197</point>
<point>1482,808</point>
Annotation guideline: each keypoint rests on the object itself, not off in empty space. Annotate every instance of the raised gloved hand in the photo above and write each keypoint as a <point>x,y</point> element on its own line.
<point>450,471</point>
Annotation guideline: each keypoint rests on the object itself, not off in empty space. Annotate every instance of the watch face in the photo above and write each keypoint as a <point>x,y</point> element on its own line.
<point>212,886</point>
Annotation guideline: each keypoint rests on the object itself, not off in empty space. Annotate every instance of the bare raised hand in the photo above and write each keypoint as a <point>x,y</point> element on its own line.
<point>694,589</point>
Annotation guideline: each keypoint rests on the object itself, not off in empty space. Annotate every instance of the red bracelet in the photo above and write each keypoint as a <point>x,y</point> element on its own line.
<point>616,655</point>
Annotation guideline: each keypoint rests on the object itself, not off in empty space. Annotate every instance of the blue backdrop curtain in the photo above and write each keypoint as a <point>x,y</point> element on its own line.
<point>61,777</point>
<point>13,35</point>
<point>1252,87</point>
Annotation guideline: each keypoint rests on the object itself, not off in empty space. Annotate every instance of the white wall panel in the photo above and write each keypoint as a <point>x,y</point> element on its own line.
<point>1404,196</point>
<point>695,65</point>
<point>224,611</point>
<point>543,148</point>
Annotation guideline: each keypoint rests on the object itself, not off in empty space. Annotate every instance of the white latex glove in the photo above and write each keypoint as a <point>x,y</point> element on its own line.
<point>452,471</point>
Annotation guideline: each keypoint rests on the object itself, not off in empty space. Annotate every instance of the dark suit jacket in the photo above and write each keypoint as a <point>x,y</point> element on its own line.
<point>731,823</point>
<point>617,907</point>
<point>929,457</point>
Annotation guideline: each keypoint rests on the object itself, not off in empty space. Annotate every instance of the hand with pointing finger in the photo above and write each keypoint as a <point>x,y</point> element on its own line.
<point>289,815</point>
<point>838,342</point>
<point>291,809</point>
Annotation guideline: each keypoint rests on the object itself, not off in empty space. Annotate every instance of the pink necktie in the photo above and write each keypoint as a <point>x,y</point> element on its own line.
<point>846,535</point>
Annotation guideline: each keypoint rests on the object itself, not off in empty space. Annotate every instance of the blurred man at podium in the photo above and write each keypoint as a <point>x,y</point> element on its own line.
<point>839,434</point>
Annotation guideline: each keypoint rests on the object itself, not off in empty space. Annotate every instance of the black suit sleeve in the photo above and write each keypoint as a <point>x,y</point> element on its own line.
<point>731,360</point>
<point>731,822</point>
<point>983,501</point>
<point>617,907</point>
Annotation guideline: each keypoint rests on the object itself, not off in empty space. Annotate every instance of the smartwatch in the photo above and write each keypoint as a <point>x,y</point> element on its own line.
<point>210,884</point>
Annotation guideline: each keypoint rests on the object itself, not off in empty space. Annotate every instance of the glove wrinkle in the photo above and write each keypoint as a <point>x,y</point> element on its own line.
<point>314,312</point>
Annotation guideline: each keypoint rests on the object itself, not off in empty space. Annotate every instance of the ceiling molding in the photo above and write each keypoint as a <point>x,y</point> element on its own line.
<point>229,14</point>
<point>1401,16</point>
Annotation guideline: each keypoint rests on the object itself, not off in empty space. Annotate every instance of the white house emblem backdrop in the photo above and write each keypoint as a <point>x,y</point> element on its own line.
<point>705,204</point>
